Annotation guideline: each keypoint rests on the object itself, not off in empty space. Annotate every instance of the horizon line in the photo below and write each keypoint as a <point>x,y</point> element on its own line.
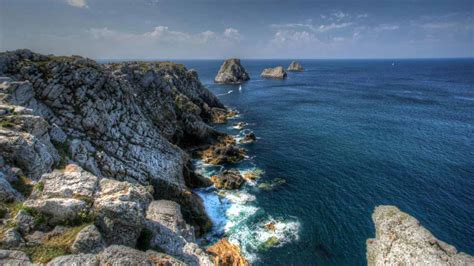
<point>263,58</point>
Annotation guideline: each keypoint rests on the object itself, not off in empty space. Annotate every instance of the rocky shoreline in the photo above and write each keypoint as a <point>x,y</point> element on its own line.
<point>98,167</point>
<point>92,155</point>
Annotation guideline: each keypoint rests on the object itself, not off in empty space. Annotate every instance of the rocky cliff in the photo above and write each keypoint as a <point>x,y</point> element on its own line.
<point>295,66</point>
<point>401,240</point>
<point>122,130</point>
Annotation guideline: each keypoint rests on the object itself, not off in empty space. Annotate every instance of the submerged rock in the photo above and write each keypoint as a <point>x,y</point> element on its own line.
<point>401,240</point>
<point>275,73</point>
<point>226,253</point>
<point>229,179</point>
<point>276,182</point>
<point>231,72</point>
<point>295,66</point>
<point>239,125</point>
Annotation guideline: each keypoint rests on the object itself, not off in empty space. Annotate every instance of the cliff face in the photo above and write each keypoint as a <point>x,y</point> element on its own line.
<point>119,121</point>
<point>401,240</point>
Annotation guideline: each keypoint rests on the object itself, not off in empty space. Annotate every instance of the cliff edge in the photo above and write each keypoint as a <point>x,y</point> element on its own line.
<point>401,240</point>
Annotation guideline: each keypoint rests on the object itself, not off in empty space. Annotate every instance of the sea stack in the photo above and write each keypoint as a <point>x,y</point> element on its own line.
<point>295,66</point>
<point>275,73</point>
<point>401,240</point>
<point>231,72</point>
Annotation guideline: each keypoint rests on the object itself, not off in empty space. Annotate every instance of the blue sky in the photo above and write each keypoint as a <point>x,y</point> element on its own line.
<point>186,29</point>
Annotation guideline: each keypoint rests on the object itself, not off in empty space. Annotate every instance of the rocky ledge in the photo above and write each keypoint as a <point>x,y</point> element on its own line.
<point>94,164</point>
<point>275,73</point>
<point>231,72</point>
<point>401,240</point>
<point>295,66</point>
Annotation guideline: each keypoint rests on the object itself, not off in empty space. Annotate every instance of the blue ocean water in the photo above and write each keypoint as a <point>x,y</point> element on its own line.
<point>348,135</point>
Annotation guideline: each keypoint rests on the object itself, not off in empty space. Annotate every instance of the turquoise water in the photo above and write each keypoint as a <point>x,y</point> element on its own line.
<point>348,135</point>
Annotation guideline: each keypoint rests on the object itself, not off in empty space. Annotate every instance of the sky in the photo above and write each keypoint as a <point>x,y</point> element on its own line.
<point>216,29</point>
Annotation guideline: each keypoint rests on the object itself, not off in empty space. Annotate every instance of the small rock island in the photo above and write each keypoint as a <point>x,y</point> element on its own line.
<point>401,240</point>
<point>275,73</point>
<point>231,72</point>
<point>295,66</point>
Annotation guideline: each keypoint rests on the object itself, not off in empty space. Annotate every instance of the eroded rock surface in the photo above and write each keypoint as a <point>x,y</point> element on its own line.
<point>231,72</point>
<point>226,253</point>
<point>228,179</point>
<point>400,239</point>
<point>274,73</point>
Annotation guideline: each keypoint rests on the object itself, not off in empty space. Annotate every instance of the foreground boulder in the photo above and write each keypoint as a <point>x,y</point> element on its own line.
<point>226,253</point>
<point>171,233</point>
<point>401,240</point>
<point>120,208</point>
<point>295,66</point>
<point>228,179</point>
<point>231,72</point>
<point>274,73</point>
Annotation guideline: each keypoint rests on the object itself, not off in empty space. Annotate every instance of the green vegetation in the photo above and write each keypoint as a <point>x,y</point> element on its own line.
<point>62,149</point>
<point>39,186</point>
<point>24,185</point>
<point>6,124</point>
<point>54,246</point>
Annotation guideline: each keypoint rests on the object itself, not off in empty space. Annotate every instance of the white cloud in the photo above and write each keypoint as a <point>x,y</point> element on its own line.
<point>386,27</point>
<point>333,26</point>
<point>339,15</point>
<point>232,33</point>
<point>77,3</point>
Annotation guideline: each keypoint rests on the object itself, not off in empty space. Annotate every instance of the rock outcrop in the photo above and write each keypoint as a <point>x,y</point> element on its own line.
<point>274,73</point>
<point>228,179</point>
<point>401,240</point>
<point>295,66</point>
<point>225,151</point>
<point>117,121</point>
<point>231,72</point>
<point>226,253</point>
<point>94,162</point>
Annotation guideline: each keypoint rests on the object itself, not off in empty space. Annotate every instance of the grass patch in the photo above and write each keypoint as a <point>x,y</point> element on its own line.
<point>6,124</point>
<point>39,186</point>
<point>54,246</point>
<point>24,185</point>
<point>62,149</point>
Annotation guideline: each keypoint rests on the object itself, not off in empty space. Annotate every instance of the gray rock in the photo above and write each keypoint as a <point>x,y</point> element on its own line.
<point>7,192</point>
<point>73,181</point>
<point>24,221</point>
<point>275,73</point>
<point>295,66</point>
<point>122,255</point>
<point>76,260</point>
<point>401,240</point>
<point>172,234</point>
<point>120,209</point>
<point>231,72</point>
<point>59,209</point>
<point>11,239</point>
<point>13,257</point>
<point>88,240</point>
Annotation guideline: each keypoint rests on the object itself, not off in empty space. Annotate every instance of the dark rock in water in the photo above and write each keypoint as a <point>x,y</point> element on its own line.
<point>223,152</point>
<point>275,73</point>
<point>250,137</point>
<point>229,179</point>
<point>240,125</point>
<point>295,66</point>
<point>231,72</point>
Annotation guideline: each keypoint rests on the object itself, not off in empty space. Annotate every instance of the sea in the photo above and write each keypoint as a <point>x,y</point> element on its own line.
<point>346,136</point>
